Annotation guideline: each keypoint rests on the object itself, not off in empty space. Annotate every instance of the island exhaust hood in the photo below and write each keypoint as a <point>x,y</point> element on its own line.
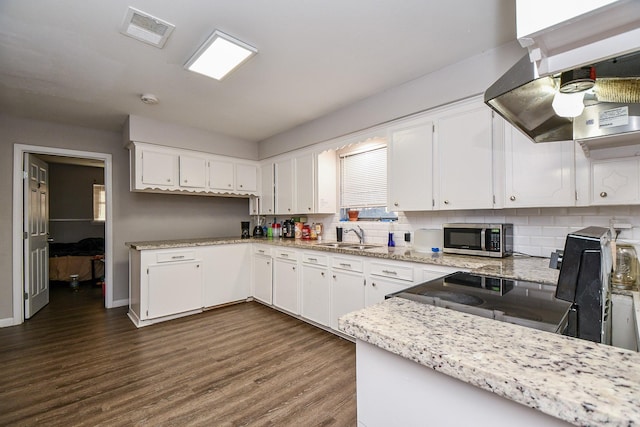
<point>611,115</point>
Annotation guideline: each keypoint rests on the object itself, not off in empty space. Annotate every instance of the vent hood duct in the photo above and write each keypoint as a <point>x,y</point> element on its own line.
<point>612,106</point>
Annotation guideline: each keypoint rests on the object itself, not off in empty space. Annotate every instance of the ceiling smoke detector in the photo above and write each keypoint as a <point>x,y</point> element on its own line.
<point>149,99</point>
<point>146,28</point>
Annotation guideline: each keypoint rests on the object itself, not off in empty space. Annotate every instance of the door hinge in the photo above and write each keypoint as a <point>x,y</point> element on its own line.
<point>26,296</point>
<point>25,235</point>
<point>494,199</point>
<point>576,195</point>
<point>433,203</point>
<point>147,271</point>
<point>433,128</point>
<point>25,175</point>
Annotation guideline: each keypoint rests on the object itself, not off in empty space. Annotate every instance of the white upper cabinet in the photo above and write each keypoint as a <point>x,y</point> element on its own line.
<point>409,170</point>
<point>304,184</point>
<point>326,190</point>
<point>165,169</point>
<point>615,181</point>
<point>464,157</point>
<point>537,174</point>
<point>246,178</point>
<point>267,201</point>
<point>156,169</point>
<point>221,176</point>
<point>193,171</point>
<point>284,187</point>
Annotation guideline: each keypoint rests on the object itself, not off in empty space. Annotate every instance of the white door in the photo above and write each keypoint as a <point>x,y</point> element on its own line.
<point>304,184</point>
<point>36,231</point>
<point>193,172</point>
<point>221,175</point>
<point>285,285</point>
<point>247,178</point>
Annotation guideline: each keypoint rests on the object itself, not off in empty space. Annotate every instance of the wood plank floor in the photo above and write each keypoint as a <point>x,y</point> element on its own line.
<point>75,363</point>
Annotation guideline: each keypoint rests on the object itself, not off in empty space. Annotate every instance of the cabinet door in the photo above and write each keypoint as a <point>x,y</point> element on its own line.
<point>377,288</point>
<point>174,288</point>
<point>246,178</point>
<point>285,285</point>
<point>347,294</point>
<point>159,168</point>
<point>284,187</point>
<point>267,202</point>
<point>615,182</point>
<point>193,172</point>
<point>410,161</point>
<point>304,184</point>
<point>316,294</point>
<point>221,175</point>
<point>326,182</point>
<point>226,276</point>
<point>262,278</point>
<point>465,158</point>
<point>537,175</point>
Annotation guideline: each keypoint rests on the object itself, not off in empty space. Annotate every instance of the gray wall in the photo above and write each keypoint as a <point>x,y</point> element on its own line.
<point>136,216</point>
<point>71,202</point>
<point>470,77</point>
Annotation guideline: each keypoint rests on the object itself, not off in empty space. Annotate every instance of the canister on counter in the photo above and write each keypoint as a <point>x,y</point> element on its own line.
<point>298,230</point>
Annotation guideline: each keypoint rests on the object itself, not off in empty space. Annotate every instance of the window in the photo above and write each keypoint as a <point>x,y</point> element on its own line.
<point>99,203</point>
<point>363,181</point>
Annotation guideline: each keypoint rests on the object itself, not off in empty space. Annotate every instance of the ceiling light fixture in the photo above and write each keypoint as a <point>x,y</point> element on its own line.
<point>219,55</point>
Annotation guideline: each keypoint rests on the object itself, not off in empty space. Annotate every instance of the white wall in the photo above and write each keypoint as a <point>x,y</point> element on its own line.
<point>470,77</point>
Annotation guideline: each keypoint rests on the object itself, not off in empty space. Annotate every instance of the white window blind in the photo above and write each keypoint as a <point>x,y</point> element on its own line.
<point>99,203</point>
<point>364,179</point>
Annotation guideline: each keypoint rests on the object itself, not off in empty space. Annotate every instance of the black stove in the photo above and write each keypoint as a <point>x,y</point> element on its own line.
<point>515,301</point>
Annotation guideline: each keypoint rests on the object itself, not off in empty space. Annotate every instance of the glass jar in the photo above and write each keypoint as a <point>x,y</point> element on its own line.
<point>625,271</point>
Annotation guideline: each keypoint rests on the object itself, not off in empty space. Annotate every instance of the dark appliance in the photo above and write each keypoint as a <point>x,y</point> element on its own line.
<point>515,301</point>
<point>492,240</point>
<point>245,229</point>
<point>584,282</point>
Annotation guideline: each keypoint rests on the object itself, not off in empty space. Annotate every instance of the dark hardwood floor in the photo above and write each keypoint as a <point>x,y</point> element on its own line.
<point>75,363</point>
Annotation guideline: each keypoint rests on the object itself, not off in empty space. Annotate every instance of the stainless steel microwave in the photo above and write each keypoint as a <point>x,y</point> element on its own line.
<point>492,240</point>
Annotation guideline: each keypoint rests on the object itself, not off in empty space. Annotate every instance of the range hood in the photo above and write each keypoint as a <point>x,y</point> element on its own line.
<point>611,114</point>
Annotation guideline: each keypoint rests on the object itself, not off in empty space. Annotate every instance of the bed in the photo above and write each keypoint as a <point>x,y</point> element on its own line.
<point>84,258</point>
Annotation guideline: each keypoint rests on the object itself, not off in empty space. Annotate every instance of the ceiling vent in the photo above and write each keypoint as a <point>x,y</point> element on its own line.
<point>146,28</point>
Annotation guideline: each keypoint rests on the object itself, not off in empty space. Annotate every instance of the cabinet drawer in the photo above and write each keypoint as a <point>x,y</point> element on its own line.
<point>175,256</point>
<point>285,254</point>
<point>261,250</point>
<point>313,258</point>
<point>400,272</point>
<point>350,264</point>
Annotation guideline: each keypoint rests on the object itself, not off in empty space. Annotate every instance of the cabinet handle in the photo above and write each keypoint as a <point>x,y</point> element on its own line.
<point>395,204</point>
<point>446,202</point>
<point>261,251</point>
<point>312,259</point>
<point>603,194</point>
<point>345,265</point>
<point>240,185</point>
<point>177,257</point>
<point>373,284</point>
<point>289,209</point>
<point>309,209</point>
<point>334,276</point>
<point>395,273</point>
<point>268,263</point>
<point>168,179</point>
<point>512,198</point>
<point>185,181</point>
<point>322,273</point>
<point>197,265</point>
<point>284,255</point>
<point>293,268</point>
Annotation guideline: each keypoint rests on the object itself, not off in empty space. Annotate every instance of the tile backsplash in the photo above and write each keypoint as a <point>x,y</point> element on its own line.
<point>537,231</point>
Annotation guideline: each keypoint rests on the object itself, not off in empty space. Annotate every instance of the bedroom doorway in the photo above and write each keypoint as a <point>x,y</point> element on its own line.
<point>21,259</point>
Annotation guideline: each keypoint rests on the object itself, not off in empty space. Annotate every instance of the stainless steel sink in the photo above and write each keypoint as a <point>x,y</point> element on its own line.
<point>361,247</point>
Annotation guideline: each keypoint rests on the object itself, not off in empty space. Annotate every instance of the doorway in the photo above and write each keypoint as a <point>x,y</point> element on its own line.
<point>18,215</point>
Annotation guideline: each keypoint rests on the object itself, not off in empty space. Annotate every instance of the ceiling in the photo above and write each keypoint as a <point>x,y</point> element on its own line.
<point>66,61</point>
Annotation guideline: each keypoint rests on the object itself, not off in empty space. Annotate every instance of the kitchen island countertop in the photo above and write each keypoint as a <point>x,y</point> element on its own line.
<point>574,380</point>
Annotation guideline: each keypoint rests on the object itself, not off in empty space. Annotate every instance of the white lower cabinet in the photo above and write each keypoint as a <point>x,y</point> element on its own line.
<point>316,293</point>
<point>226,276</point>
<point>385,278</point>
<point>347,287</point>
<point>164,284</point>
<point>285,280</point>
<point>262,274</point>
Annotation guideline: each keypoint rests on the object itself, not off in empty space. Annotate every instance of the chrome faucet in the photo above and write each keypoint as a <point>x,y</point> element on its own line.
<point>360,234</point>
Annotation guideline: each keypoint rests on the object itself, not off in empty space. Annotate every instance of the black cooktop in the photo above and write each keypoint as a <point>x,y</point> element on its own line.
<point>515,301</point>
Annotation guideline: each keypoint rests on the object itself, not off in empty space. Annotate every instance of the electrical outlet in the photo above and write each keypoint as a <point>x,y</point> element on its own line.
<point>620,224</point>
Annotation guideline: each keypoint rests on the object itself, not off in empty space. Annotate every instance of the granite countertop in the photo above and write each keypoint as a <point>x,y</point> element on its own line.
<point>515,267</point>
<point>575,380</point>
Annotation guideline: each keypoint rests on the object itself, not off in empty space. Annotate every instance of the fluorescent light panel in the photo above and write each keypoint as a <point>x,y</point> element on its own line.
<point>219,55</point>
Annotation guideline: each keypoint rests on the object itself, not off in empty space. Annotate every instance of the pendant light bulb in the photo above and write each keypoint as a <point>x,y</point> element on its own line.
<point>568,104</point>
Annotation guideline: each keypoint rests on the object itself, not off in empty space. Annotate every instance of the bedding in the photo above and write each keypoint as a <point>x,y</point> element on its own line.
<point>83,258</point>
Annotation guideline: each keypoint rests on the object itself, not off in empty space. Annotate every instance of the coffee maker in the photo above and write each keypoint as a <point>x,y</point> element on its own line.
<point>585,282</point>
